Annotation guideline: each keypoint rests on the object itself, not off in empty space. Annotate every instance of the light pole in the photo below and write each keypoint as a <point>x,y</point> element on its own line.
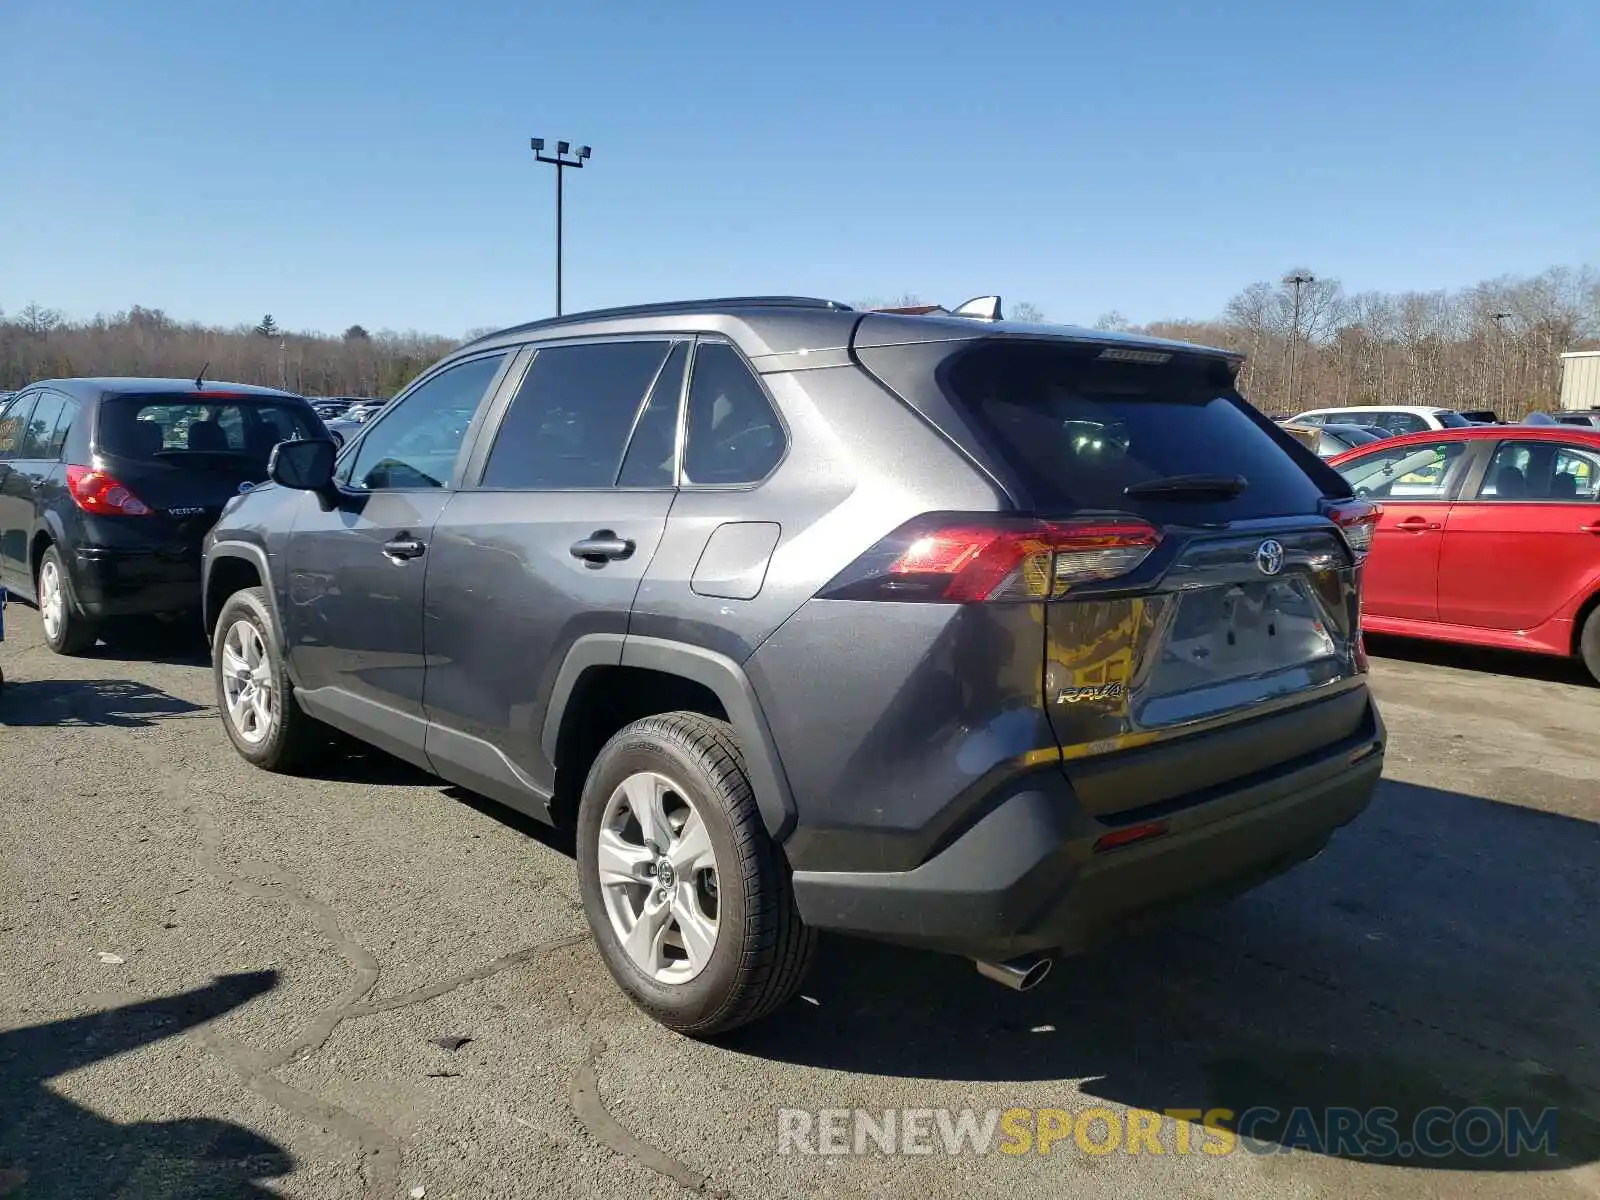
<point>563,158</point>
<point>1500,319</point>
<point>1298,280</point>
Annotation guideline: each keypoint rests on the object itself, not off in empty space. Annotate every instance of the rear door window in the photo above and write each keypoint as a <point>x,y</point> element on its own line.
<point>1080,432</point>
<point>1581,467</point>
<point>653,446</point>
<point>1401,422</point>
<point>1541,471</point>
<point>41,426</point>
<point>201,427</point>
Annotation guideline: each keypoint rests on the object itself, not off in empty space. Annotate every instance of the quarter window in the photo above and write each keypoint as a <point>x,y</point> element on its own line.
<point>414,444</point>
<point>1421,472</point>
<point>569,422</point>
<point>734,436</point>
<point>64,423</point>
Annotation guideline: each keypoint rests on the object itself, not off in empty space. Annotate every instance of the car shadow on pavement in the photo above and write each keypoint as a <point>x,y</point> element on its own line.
<point>1442,953</point>
<point>52,1148</point>
<point>118,702</point>
<point>1543,667</point>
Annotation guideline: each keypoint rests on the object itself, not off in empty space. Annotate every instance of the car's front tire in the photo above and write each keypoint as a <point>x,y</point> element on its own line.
<point>259,711</point>
<point>687,895</point>
<point>66,630</point>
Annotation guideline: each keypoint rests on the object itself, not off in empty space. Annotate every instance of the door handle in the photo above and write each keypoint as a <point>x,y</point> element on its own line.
<point>402,548</point>
<point>602,546</point>
<point>1417,525</point>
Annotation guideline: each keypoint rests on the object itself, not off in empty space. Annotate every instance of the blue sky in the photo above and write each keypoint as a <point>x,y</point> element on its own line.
<point>339,161</point>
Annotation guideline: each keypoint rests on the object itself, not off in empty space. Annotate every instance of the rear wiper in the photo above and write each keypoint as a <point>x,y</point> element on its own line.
<point>1189,485</point>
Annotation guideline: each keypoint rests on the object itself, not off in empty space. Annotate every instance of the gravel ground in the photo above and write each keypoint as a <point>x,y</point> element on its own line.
<point>217,982</point>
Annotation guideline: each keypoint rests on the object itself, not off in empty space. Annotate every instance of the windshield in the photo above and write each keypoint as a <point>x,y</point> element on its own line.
<point>198,426</point>
<point>1405,472</point>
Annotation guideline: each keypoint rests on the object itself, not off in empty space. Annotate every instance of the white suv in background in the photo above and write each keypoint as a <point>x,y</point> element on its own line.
<point>1395,418</point>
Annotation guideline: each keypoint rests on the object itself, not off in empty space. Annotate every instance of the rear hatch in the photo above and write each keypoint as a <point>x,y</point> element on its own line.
<point>1203,620</point>
<point>184,455</point>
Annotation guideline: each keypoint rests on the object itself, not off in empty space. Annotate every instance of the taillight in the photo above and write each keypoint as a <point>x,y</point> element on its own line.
<point>964,559</point>
<point>97,492</point>
<point>1357,520</point>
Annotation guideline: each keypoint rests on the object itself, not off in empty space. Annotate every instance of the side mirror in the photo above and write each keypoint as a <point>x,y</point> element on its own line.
<point>306,466</point>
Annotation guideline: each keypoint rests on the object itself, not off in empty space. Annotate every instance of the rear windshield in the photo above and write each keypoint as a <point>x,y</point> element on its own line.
<point>1451,419</point>
<point>186,427</point>
<point>1080,431</point>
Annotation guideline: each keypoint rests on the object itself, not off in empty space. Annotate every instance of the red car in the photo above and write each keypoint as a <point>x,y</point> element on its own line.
<point>1489,536</point>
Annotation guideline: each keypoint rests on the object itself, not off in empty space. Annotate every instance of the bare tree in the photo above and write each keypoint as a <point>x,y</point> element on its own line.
<point>38,321</point>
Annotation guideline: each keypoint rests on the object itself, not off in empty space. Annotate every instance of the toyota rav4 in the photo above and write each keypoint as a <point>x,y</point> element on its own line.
<point>989,638</point>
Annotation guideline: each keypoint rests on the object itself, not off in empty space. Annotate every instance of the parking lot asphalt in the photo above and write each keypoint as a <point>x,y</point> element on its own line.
<point>218,982</point>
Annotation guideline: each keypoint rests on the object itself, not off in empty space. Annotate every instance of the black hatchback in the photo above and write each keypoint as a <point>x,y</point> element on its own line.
<point>108,486</point>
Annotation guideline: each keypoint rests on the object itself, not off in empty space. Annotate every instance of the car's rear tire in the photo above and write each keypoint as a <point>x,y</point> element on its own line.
<point>721,944</point>
<point>66,630</point>
<point>1589,644</point>
<point>264,722</point>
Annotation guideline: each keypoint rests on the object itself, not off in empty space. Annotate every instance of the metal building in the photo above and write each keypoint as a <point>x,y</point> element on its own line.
<point>1580,379</point>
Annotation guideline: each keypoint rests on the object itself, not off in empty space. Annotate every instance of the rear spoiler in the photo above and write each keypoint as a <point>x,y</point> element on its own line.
<point>979,308</point>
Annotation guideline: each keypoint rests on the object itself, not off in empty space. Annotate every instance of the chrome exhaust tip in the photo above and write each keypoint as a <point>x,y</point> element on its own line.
<point>1019,974</point>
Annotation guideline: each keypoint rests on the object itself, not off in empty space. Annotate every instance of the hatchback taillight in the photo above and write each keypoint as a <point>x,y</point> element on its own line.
<point>966,559</point>
<point>97,492</point>
<point>1357,520</point>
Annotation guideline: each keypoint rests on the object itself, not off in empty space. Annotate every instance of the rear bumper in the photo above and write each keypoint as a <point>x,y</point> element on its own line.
<point>1026,877</point>
<point>114,582</point>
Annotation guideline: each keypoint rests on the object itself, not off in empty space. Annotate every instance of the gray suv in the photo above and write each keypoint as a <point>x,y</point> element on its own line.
<point>989,638</point>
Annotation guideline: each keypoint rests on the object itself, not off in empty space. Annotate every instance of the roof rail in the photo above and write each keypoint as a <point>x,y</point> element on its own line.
<point>669,308</point>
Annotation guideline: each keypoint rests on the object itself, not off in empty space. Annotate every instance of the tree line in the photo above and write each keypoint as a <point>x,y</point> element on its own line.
<point>1496,345</point>
<point>40,343</point>
<point>1307,344</point>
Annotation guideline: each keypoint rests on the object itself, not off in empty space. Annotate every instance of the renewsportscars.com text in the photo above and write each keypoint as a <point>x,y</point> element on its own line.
<point>1347,1132</point>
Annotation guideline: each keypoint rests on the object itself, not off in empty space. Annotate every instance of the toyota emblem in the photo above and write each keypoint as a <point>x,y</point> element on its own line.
<point>1269,557</point>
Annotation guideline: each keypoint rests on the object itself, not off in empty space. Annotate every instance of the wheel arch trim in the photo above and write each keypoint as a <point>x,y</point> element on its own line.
<point>257,557</point>
<point>721,675</point>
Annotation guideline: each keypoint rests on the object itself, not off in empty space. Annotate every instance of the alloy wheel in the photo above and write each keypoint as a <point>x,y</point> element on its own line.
<point>52,600</point>
<point>658,877</point>
<point>247,690</point>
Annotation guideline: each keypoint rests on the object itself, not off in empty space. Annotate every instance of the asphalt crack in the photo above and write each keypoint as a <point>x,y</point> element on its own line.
<point>494,966</point>
<point>605,1129</point>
